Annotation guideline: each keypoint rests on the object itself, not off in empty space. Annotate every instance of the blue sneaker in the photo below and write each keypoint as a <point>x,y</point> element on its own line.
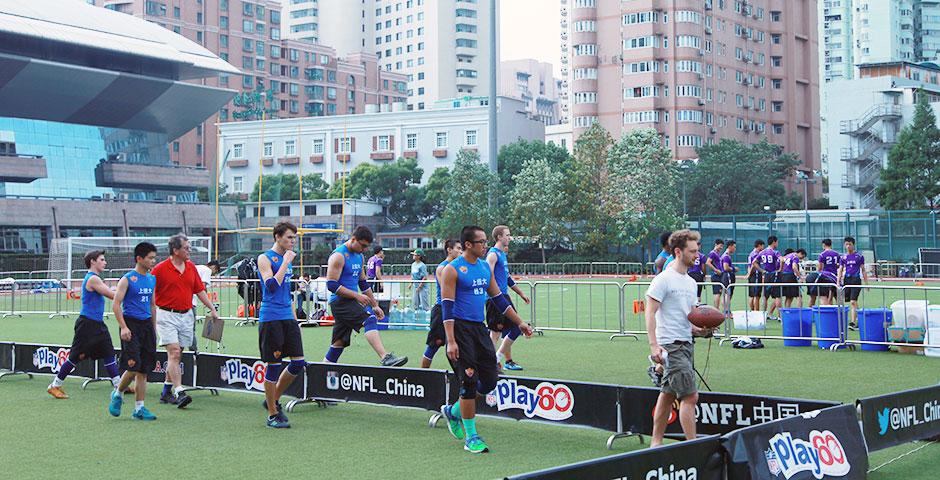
<point>475,444</point>
<point>454,425</point>
<point>117,401</point>
<point>143,414</point>
<point>511,365</point>
<point>278,421</point>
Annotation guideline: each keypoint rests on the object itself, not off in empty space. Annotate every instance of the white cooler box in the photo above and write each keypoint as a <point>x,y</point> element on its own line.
<point>748,320</point>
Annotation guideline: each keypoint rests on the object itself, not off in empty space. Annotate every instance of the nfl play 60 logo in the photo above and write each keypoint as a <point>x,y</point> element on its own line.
<point>546,400</point>
<point>822,455</point>
<point>43,357</point>
<point>252,376</point>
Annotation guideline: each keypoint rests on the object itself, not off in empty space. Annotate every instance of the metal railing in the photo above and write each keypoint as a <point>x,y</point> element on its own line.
<point>615,307</point>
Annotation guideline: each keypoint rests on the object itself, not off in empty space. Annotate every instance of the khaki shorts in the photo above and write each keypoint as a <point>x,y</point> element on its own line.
<point>176,328</point>
<point>679,378</point>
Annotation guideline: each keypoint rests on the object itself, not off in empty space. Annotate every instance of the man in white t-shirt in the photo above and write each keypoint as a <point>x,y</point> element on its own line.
<point>205,274</point>
<point>670,298</point>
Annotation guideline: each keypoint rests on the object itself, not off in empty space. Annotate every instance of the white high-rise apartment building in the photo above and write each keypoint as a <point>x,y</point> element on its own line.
<point>300,20</point>
<point>855,32</point>
<point>441,45</point>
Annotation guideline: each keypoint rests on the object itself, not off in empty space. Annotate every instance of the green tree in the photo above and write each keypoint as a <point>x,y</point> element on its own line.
<point>277,187</point>
<point>731,177</point>
<point>315,187</point>
<point>644,178</point>
<point>513,157</point>
<point>588,187</point>
<point>435,193</point>
<point>466,200</point>
<point>356,182</point>
<point>912,177</point>
<point>537,203</point>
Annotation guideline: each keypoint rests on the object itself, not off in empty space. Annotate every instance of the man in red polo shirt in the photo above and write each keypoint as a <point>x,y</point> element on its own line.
<point>177,282</point>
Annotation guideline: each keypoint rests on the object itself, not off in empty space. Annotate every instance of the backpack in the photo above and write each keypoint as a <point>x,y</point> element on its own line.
<point>747,343</point>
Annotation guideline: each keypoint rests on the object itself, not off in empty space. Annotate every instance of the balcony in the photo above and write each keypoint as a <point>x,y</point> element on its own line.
<point>21,168</point>
<point>150,177</point>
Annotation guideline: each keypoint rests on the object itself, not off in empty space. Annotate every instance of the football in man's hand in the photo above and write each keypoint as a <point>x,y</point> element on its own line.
<point>706,316</point>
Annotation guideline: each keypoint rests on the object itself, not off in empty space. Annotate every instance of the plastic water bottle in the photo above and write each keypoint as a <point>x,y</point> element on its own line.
<point>394,317</point>
<point>421,317</point>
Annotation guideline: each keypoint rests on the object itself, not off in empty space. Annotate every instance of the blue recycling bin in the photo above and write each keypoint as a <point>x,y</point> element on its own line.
<point>797,322</point>
<point>827,323</point>
<point>873,326</point>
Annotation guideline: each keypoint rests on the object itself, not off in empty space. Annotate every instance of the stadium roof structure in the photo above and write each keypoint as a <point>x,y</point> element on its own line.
<point>67,61</point>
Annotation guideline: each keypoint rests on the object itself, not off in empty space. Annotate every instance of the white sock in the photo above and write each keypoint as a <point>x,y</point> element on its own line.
<point>138,405</point>
<point>115,381</point>
<point>178,390</point>
<point>500,358</point>
<point>56,382</point>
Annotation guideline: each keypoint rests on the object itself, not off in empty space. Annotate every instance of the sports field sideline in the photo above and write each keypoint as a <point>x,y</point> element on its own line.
<point>225,436</point>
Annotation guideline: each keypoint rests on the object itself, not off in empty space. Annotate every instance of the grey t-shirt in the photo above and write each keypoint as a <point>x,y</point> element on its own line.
<point>677,295</point>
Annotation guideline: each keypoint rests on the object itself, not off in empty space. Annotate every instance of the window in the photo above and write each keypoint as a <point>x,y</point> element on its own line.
<point>248,26</point>
<point>259,211</point>
<point>585,97</point>
<point>383,143</point>
<point>778,128</point>
<point>268,150</point>
<point>585,49</point>
<point>336,209</point>
<point>238,184</point>
<point>283,211</point>
<point>775,16</point>
<point>461,42</point>
<point>650,116</point>
<point>176,12</point>
<point>471,138</point>
<point>776,106</point>
<point>318,146</point>
<point>223,41</point>
<point>411,141</point>
<point>441,140</point>
<point>776,61</point>
<point>310,210</point>
<point>290,148</point>
<point>238,150</point>
<point>345,145</point>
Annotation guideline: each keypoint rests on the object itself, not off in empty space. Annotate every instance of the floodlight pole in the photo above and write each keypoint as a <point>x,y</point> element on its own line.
<point>492,144</point>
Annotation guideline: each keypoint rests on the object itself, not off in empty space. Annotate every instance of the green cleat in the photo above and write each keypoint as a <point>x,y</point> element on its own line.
<point>454,424</point>
<point>475,444</point>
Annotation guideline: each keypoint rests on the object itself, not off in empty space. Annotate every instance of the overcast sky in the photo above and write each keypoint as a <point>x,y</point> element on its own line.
<point>530,29</point>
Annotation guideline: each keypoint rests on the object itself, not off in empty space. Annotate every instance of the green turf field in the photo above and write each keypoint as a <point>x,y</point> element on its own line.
<point>224,436</point>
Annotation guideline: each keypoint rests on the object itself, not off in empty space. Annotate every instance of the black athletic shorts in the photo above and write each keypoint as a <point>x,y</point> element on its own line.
<point>754,290</point>
<point>699,277</point>
<point>716,283</point>
<point>279,339</point>
<point>727,279</point>
<point>495,320</point>
<point>790,291</point>
<point>92,341</point>
<point>474,351</point>
<point>348,315</point>
<point>436,336</point>
<point>825,286</point>
<point>811,288</point>
<point>771,291</point>
<point>140,353</point>
<point>852,292</point>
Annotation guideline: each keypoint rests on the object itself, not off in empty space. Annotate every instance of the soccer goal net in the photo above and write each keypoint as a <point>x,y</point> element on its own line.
<point>66,255</point>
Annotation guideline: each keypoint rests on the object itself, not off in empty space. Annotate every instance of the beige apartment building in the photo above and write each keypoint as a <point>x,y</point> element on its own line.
<point>696,70</point>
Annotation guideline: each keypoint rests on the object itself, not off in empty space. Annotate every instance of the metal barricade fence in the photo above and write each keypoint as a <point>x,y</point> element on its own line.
<point>577,306</point>
<point>614,307</point>
<point>902,314</point>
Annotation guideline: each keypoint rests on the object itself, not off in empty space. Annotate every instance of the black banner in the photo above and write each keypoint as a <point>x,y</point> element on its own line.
<point>826,443</point>
<point>402,387</point>
<point>553,401</point>
<point>47,359</point>
<point>158,374</point>
<point>700,459</point>
<point>717,413</point>
<point>6,356</point>
<point>232,372</point>
<point>896,418</point>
